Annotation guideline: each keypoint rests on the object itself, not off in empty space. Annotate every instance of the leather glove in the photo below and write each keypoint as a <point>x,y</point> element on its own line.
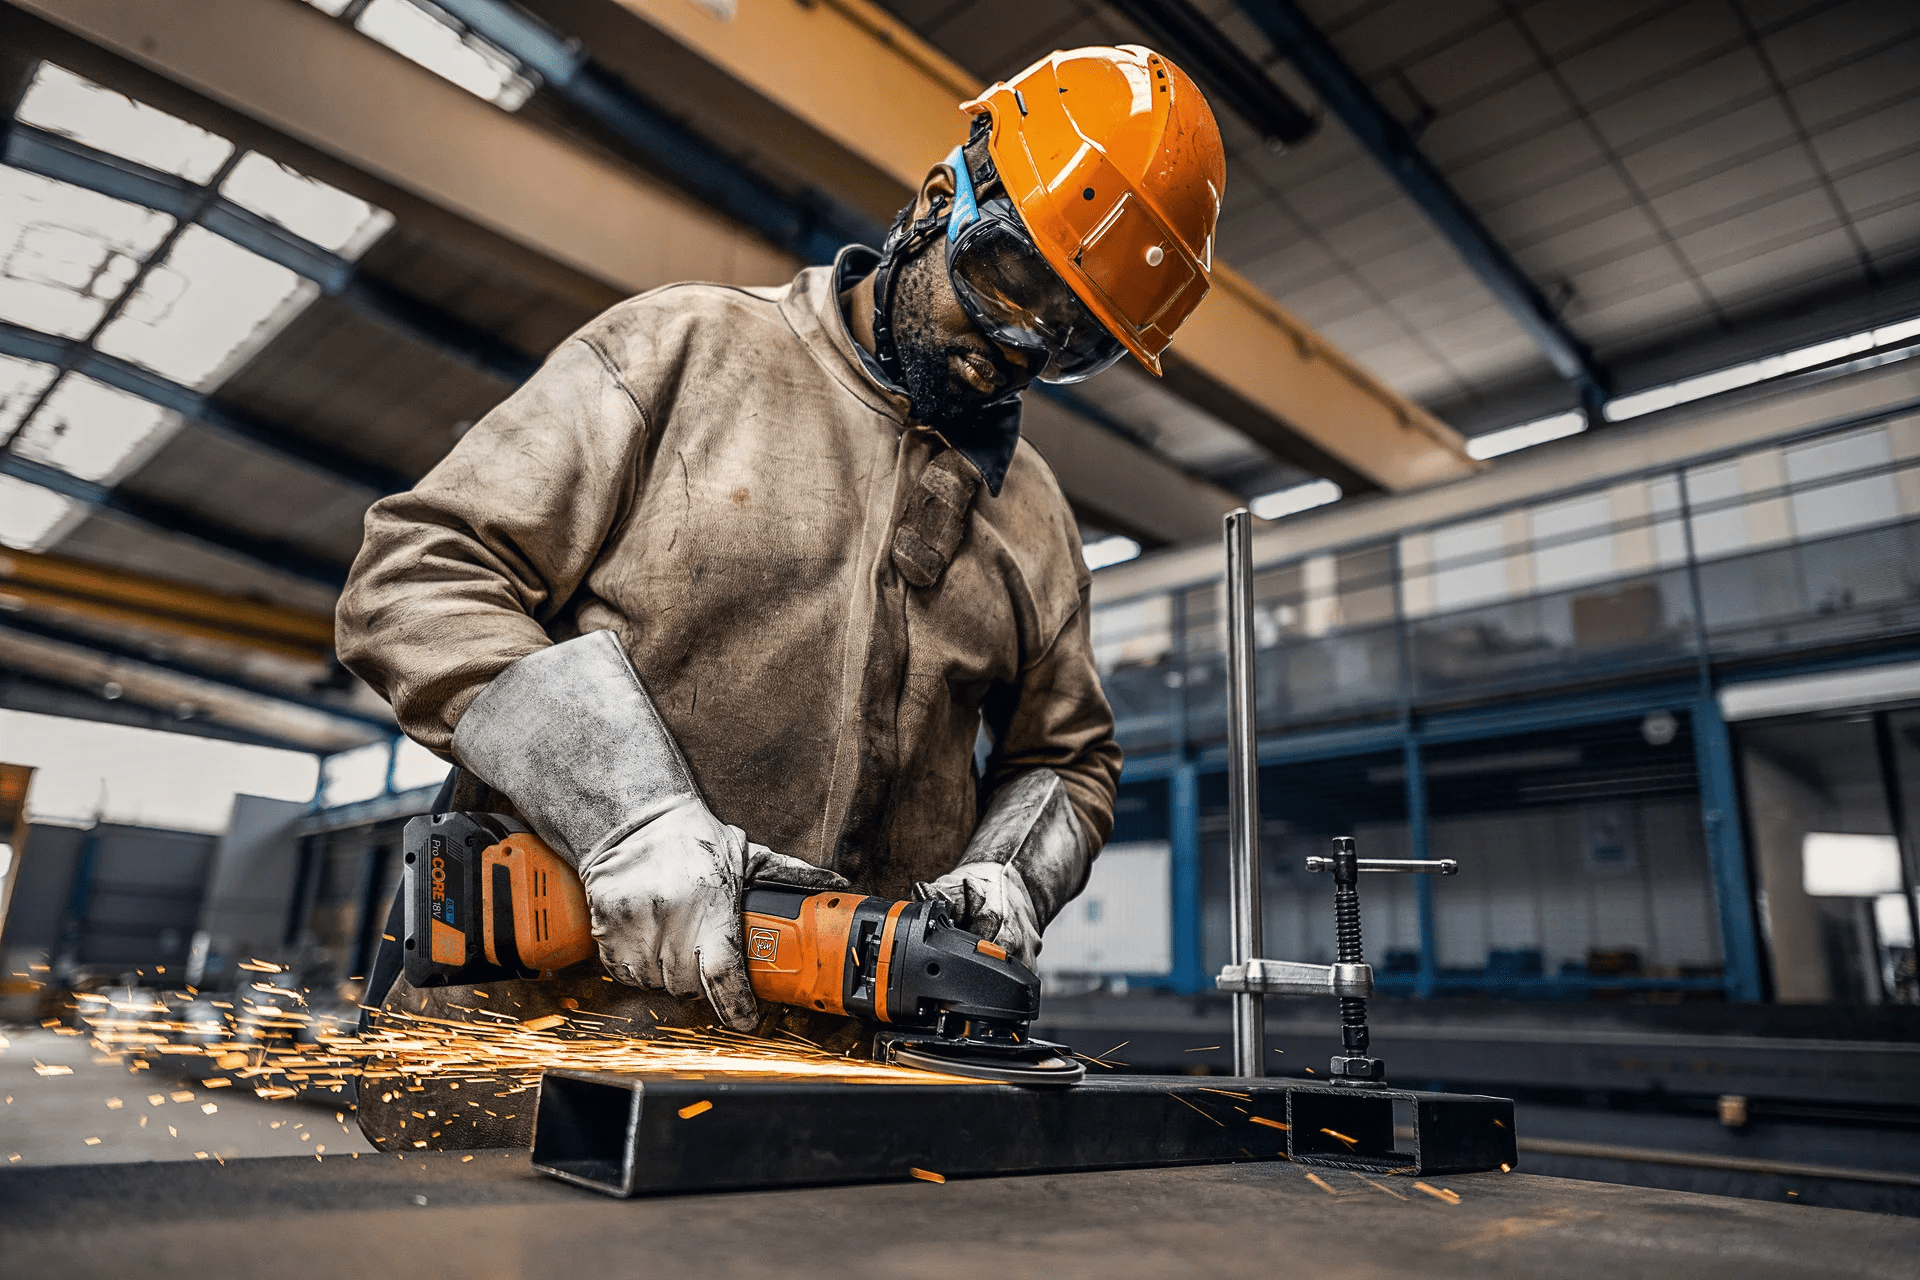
<point>1028,858</point>
<point>571,737</point>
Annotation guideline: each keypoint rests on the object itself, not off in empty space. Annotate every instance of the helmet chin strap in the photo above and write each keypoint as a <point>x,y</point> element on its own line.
<point>902,242</point>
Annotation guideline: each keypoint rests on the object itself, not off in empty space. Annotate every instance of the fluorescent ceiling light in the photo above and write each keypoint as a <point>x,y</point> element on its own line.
<point>1654,399</point>
<point>94,431</point>
<point>332,8</point>
<point>309,208</point>
<point>1833,865</point>
<point>66,252</point>
<point>1102,552</point>
<point>1526,435</point>
<point>21,382</point>
<point>204,310</point>
<point>1301,497</point>
<point>63,103</point>
<point>412,32</point>
<point>32,518</point>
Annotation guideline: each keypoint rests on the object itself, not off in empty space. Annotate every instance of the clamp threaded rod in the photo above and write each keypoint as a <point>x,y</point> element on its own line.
<point>1349,946</point>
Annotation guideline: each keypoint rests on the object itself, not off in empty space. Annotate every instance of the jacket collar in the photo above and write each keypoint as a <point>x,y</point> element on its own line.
<point>988,442</point>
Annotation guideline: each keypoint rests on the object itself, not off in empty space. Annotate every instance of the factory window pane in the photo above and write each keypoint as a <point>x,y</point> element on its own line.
<point>88,771</point>
<point>414,33</point>
<point>1573,542</point>
<point>1669,535</point>
<point>1719,517</point>
<point>415,766</point>
<point>204,310</point>
<point>1470,566</point>
<point>21,382</point>
<point>1833,506</point>
<point>32,518</point>
<point>94,431</point>
<point>64,103</point>
<point>66,253</point>
<point>311,209</point>
<point>359,774</point>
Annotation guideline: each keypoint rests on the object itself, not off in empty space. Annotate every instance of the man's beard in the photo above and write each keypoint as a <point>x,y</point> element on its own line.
<point>941,398</point>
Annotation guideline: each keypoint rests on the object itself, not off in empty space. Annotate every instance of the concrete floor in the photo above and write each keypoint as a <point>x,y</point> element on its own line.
<point>487,1216</point>
<point>49,1119</point>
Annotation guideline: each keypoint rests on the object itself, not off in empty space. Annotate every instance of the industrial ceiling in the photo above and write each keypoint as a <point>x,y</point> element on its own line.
<point>251,302</point>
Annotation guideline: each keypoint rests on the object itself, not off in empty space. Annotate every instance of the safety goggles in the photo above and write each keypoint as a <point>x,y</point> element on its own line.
<point>1012,295</point>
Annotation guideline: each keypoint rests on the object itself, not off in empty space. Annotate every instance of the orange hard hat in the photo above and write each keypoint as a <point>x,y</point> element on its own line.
<point>1113,160</point>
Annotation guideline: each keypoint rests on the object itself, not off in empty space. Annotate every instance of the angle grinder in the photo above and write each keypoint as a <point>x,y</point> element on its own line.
<point>487,900</point>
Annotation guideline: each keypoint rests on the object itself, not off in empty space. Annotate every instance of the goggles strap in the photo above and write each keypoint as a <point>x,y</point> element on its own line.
<point>902,242</point>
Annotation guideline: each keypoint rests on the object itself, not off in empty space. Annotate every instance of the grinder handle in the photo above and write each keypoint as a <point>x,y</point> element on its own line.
<point>534,916</point>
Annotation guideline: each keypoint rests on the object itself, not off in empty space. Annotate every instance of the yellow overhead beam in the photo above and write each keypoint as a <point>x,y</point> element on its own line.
<point>862,78</point>
<point>117,597</point>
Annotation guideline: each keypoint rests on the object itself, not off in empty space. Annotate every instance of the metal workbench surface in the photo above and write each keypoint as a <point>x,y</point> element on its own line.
<point>488,1216</point>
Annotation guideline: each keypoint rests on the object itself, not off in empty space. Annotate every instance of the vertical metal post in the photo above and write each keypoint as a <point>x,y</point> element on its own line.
<point>1183,822</point>
<point>1897,811</point>
<point>1417,847</point>
<point>1726,850</point>
<point>1243,795</point>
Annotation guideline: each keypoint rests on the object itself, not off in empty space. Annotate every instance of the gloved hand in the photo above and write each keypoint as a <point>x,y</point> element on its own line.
<point>665,904</point>
<point>1028,858</point>
<point>990,899</point>
<point>571,737</point>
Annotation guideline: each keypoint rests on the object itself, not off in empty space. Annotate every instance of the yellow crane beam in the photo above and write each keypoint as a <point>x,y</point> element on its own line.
<point>868,82</point>
<point>96,593</point>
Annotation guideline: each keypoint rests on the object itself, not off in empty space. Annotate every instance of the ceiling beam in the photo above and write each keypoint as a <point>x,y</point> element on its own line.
<point>1124,487</point>
<point>37,695</point>
<point>1296,39</point>
<point>1231,77</point>
<point>868,83</point>
<point>466,156</point>
<point>100,594</point>
<point>377,717</point>
<point>111,672</point>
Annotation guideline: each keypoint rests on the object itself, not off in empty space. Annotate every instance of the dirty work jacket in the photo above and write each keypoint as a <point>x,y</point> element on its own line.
<point>711,474</point>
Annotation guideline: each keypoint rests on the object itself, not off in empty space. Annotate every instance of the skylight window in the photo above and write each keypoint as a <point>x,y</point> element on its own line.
<point>64,103</point>
<point>66,252</point>
<point>1301,497</point>
<point>1102,552</point>
<point>32,518</point>
<point>411,31</point>
<point>204,310</point>
<point>94,431</point>
<point>1526,435</point>
<point>21,382</point>
<point>309,208</point>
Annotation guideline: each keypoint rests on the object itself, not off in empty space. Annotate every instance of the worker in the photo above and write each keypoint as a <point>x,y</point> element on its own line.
<point>729,588</point>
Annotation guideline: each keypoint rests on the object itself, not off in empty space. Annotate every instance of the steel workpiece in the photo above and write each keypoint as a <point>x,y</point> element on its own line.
<point>629,1135</point>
